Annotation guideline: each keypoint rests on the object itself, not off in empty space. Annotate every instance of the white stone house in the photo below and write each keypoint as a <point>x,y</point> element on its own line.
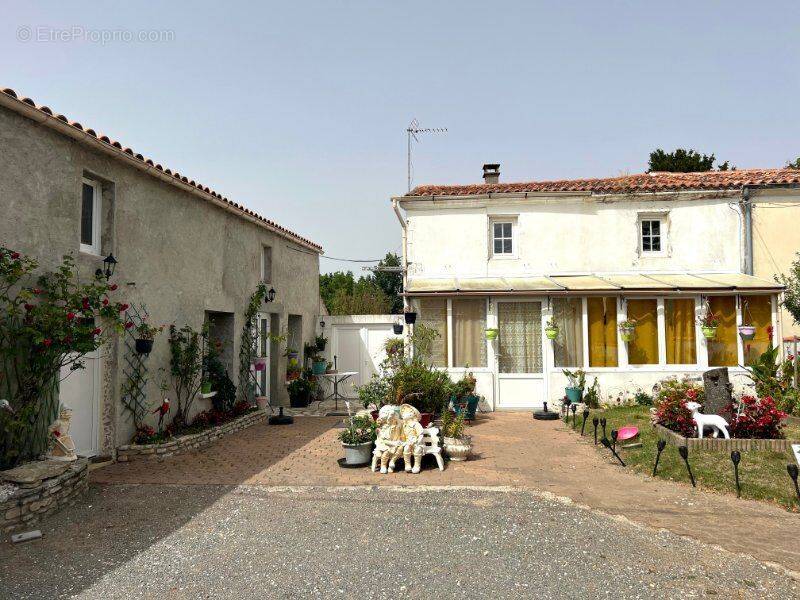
<point>660,248</point>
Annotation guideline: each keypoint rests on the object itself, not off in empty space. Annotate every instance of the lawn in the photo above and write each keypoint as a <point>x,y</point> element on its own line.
<point>762,474</point>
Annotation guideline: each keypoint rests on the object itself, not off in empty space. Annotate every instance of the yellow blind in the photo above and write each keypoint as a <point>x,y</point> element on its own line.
<point>756,311</point>
<point>602,331</point>
<point>643,349</point>
<point>680,330</point>
<point>723,350</point>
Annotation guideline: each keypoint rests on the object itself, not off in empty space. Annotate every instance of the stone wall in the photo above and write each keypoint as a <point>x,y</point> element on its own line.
<point>34,490</point>
<point>132,452</point>
<point>721,444</point>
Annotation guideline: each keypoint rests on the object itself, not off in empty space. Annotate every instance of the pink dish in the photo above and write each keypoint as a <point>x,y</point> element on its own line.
<point>628,432</point>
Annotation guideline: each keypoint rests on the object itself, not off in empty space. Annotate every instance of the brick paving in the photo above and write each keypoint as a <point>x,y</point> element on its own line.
<point>511,450</point>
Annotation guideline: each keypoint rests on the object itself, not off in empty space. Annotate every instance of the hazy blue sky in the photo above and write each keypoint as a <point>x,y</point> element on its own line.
<point>299,109</point>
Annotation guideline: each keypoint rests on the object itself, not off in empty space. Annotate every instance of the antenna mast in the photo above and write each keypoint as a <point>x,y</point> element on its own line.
<point>412,131</point>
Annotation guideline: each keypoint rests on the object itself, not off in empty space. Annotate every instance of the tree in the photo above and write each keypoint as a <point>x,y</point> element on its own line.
<point>795,164</point>
<point>683,161</point>
<point>791,297</point>
<point>391,282</point>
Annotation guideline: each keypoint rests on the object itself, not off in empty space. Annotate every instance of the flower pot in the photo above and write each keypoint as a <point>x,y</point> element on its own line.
<point>491,334</point>
<point>551,332</point>
<point>397,328</point>
<point>425,419</point>
<point>458,449</point>
<point>318,367</point>
<point>292,355</point>
<point>262,402</point>
<point>574,394</point>
<point>205,387</point>
<point>626,333</point>
<point>410,317</point>
<point>748,332</point>
<point>709,332</point>
<point>357,454</point>
<point>260,364</point>
<point>144,346</point>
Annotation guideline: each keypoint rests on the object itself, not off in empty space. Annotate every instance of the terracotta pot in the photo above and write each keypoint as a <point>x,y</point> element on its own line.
<point>262,402</point>
<point>458,449</point>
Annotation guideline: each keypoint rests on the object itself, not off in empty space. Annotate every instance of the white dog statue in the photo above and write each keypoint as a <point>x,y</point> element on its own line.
<point>715,422</point>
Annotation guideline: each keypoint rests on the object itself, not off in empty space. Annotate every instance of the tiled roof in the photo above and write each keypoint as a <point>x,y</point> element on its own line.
<point>639,183</point>
<point>16,103</point>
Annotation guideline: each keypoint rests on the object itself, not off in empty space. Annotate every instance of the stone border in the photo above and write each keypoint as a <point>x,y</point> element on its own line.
<point>34,500</point>
<point>179,445</point>
<point>710,443</point>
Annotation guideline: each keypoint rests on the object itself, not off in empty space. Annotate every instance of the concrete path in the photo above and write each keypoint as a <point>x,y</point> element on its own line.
<point>513,450</point>
<point>214,541</point>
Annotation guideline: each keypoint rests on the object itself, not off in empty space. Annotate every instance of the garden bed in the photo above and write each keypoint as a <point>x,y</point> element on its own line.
<point>184,443</point>
<point>762,472</point>
<point>34,490</point>
<point>721,444</point>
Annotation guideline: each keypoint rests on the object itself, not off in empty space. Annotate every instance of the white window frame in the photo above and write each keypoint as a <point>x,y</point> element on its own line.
<point>501,220</point>
<point>263,277</point>
<point>97,204</point>
<point>449,338</point>
<point>663,228</point>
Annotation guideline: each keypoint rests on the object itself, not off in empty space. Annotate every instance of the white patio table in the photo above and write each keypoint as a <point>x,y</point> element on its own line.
<point>336,379</point>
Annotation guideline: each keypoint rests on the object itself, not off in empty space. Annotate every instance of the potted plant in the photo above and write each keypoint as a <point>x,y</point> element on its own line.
<point>357,438</point>
<point>410,317</point>
<point>300,390</point>
<point>260,363</point>
<point>292,354</point>
<point>318,364</point>
<point>292,369</point>
<point>321,342</point>
<point>491,333</point>
<point>708,324</point>
<point>205,387</point>
<point>397,327</point>
<point>145,334</point>
<point>627,329</point>
<point>577,383</point>
<point>464,398</point>
<point>746,330</point>
<point>551,329</point>
<point>457,445</point>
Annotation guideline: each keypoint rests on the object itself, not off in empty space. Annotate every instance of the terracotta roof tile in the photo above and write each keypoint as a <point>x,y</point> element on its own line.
<point>642,182</point>
<point>131,154</point>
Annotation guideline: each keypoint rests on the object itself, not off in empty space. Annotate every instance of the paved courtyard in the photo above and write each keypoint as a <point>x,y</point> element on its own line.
<point>512,450</point>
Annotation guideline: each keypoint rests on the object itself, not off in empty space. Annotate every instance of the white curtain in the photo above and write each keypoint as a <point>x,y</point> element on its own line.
<point>520,337</point>
<point>568,347</point>
<point>469,332</point>
<point>433,314</point>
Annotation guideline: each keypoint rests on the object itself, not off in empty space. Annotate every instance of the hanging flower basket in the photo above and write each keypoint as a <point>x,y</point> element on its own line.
<point>709,332</point>
<point>410,317</point>
<point>260,364</point>
<point>748,332</point>
<point>551,329</point>
<point>397,328</point>
<point>144,346</point>
<point>627,329</point>
<point>491,333</point>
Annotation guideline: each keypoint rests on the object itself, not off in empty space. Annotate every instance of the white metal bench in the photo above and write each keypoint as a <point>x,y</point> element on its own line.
<point>430,445</point>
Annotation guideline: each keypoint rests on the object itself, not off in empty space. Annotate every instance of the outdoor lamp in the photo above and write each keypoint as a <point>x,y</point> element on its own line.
<point>271,295</point>
<point>109,265</point>
<point>614,436</point>
<point>660,445</point>
<point>595,421</point>
<point>684,452</point>
<point>736,456</point>
<point>585,416</point>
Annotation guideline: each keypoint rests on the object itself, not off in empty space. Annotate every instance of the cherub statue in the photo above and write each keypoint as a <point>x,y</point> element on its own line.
<point>62,447</point>
<point>389,442</point>
<point>412,438</point>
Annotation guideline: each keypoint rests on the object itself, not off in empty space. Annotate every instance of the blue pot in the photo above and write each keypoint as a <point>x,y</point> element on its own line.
<point>319,367</point>
<point>574,395</point>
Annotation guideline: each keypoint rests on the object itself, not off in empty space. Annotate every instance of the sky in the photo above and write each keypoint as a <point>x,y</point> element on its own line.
<point>299,109</point>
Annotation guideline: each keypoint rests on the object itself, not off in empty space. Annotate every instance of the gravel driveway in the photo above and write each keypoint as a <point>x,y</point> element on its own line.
<point>162,541</point>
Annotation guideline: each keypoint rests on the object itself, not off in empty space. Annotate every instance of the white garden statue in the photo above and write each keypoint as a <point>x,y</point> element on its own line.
<point>389,440</point>
<point>62,448</point>
<point>715,422</point>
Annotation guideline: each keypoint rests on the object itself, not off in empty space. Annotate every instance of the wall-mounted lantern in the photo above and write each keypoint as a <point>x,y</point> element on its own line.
<point>109,265</point>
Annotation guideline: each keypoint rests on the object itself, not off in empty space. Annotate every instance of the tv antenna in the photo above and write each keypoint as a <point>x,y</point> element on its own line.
<point>412,131</point>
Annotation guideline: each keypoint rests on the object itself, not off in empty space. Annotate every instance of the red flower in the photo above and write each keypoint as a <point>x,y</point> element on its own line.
<point>29,306</point>
<point>70,316</point>
<point>37,291</point>
<point>57,433</point>
<point>105,301</point>
<point>14,255</point>
<point>96,331</point>
<point>124,307</point>
<point>85,303</point>
<point>47,342</point>
<point>112,287</point>
<point>129,324</point>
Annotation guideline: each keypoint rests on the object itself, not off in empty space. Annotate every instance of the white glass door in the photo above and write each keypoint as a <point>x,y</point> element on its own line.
<point>520,354</point>
<point>263,352</point>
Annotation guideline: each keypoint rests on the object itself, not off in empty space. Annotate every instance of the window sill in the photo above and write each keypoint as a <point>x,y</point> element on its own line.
<point>91,252</point>
<point>504,257</point>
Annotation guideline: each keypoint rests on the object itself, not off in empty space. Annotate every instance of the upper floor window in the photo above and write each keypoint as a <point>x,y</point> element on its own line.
<point>502,238</point>
<point>652,233</point>
<point>266,264</point>
<point>90,216</point>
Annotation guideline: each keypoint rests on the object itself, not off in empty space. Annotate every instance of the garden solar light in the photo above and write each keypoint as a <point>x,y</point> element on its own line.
<point>684,452</point>
<point>595,421</point>
<point>736,456</point>
<point>585,416</point>
<point>603,425</point>
<point>792,470</point>
<point>608,445</point>
<point>574,408</point>
<point>660,445</point>
<point>614,436</point>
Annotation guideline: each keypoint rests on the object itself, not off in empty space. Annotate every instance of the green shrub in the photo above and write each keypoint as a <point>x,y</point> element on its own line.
<point>359,430</point>
<point>426,388</point>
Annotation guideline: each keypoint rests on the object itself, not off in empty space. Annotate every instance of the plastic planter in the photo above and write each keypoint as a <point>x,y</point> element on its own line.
<point>357,454</point>
<point>397,328</point>
<point>318,367</point>
<point>410,317</point>
<point>626,333</point>
<point>574,394</point>
<point>709,332</point>
<point>748,332</point>
<point>491,334</point>
<point>205,387</point>
<point>144,346</point>
<point>551,332</point>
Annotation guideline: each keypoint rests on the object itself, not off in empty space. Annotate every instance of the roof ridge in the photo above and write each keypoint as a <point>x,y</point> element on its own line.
<point>148,164</point>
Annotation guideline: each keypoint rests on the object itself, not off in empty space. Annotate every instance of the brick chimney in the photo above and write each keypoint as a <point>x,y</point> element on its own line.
<point>491,173</point>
